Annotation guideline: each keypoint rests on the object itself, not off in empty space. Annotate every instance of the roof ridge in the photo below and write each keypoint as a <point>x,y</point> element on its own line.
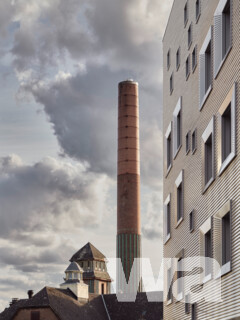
<point>88,252</point>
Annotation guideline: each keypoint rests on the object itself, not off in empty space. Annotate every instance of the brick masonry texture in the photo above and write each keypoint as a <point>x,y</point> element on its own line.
<point>128,181</point>
<point>224,187</point>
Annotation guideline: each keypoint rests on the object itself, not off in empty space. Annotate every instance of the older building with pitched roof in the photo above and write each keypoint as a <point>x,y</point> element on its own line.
<point>62,304</point>
<point>73,301</point>
<point>93,264</point>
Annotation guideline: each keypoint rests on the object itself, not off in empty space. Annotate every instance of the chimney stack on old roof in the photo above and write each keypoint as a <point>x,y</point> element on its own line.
<point>30,294</point>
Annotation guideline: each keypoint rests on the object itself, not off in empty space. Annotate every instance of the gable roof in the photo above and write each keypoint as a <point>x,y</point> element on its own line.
<point>65,305</point>
<point>140,309</point>
<point>62,302</point>
<point>88,252</point>
<point>9,312</point>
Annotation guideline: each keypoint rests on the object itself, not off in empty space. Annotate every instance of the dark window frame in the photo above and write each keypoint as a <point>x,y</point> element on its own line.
<point>187,304</point>
<point>194,58</point>
<point>198,9</point>
<point>194,311</point>
<point>208,251</point>
<point>168,59</point>
<point>226,29</point>
<point>185,14</point>
<point>208,161</point>
<point>208,67</point>
<point>171,84</point>
<point>194,141</point>
<point>226,140</point>
<point>189,35</point>
<point>187,67</point>
<point>180,202</point>
<point>205,69</point>
<point>178,58</point>
<point>226,238</point>
<point>188,142</point>
<point>169,284</point>
<point>168,218</point>
<point>191,221</point>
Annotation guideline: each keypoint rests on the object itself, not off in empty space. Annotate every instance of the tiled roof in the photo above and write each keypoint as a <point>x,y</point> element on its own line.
<point>65,305</point>
<point>88,252</point>
<point>74,267</point>
<point>103,275</point>
<point>141,309</point>
<point>8,313</point>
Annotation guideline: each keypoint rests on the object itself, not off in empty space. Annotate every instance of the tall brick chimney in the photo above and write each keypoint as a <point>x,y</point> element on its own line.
<point>128,181</point>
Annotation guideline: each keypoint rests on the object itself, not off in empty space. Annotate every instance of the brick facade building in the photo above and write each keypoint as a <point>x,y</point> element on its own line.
<point>201,117</point>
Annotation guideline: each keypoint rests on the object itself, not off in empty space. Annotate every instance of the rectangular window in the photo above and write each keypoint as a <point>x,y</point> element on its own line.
<point>35,315</point>
<point>208,67</point>
<point>194,58</point>
<point>168,148</point>
<point>168,59</point>
<point>198,9</point>
<point>208,150</point>
<point>222,238</point>
<point>180,279</point>
<point>226,133</point>
<point>169,284</point>
<point>226,239</point>
<point>169,281</point>
<point>206,248</point>
<point>194,140</point>
<point>171,83</point>
<point>194,311</point>
<point>187,67</point>
<point>226,28</point>
<point>178,58</point>
<point>169,151</point>
<point>205,69</point>
<point>208,159</point>
<point>187,304</point>
<point>179,198</point>
<point>208,252</point>
<point>188,142</point>
<point>167,218</point>
<point>227,114</point>
<point>177,124</point>
<point>189,36</point>
<point>222,33</point>
<point>185,14</point>
<point>179,202</point>
<point>191,221</point>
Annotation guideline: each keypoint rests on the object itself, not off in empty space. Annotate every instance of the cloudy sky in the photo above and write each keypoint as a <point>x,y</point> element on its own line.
<point>60,65</point>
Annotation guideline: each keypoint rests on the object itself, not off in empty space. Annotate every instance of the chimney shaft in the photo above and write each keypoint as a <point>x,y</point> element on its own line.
<point>30,294</point>
<point>128,180</point>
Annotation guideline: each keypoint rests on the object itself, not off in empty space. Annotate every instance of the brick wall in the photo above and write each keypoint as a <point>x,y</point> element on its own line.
<point>45,314</point>
<point>226,186</point>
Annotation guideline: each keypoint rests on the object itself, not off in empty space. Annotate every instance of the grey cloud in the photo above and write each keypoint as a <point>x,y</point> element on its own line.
<point>114,41</point>
<point>124,35</point>
<point>152,229</point>
<point>6,14</point>
<point>83,111</point>
<point>48,196</point>
<point>32,259</point>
